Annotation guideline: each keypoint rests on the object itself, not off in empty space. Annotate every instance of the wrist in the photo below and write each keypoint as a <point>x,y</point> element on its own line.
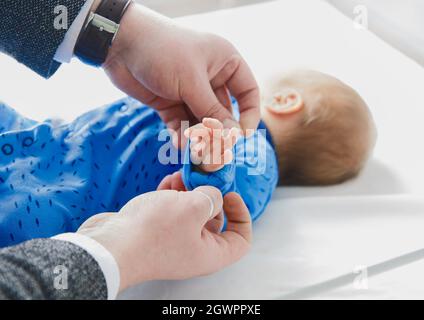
<point>105,260</point>
<point>124,36</point>
<point>138,25</point>
<point>122,253</point>
<point>96,235</point>
<point>100,30</point>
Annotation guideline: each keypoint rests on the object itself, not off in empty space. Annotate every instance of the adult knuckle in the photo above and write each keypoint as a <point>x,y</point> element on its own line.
<point>223,42</point>
<point>214,111</point>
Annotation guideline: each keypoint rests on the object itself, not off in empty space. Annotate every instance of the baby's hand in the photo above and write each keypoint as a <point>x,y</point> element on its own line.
<point>211,146</point>
<point>173,182</point>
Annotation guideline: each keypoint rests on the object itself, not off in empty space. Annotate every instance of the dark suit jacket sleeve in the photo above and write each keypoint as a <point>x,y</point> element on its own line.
<point>50,269</point>
<point>29,34</point>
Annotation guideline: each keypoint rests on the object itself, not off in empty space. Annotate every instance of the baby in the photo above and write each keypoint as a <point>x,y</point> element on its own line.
<point>323,130</point>
<point>315,131</point>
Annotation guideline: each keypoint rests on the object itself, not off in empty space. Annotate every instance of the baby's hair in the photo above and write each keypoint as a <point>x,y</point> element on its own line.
<point>333,141</point>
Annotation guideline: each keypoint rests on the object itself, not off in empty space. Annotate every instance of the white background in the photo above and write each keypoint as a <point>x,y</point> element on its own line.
<point>175,8</point>
<point>399,22</point>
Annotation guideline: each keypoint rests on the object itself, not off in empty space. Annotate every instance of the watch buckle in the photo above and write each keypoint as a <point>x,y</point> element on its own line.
<point>102,23</point>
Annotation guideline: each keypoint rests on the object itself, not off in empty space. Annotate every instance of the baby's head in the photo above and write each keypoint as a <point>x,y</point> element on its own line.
<point>322,129</point>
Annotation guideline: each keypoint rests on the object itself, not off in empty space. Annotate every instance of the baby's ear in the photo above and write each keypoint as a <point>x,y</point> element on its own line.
<point>285,102</point>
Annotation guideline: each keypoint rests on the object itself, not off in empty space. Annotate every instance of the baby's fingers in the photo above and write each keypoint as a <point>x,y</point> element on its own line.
<point>234,135</point>
<point>228,156</point>
<point>230,139</point>
<point>197,131</point>
<point>173,182</point>
<point>198,152</point>
<point>213,124</point>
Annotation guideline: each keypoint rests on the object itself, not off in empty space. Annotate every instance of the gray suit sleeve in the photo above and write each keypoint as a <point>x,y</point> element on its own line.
<point>50,269</point>
<point>32,30</point>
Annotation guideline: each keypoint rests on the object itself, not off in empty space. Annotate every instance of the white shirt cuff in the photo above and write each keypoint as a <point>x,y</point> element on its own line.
<point>65,51</point>
<point>103,257</point>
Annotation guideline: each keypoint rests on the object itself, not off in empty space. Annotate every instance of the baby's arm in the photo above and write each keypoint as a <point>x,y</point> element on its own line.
<point>248,167</point>
<point>209,158</point>
<point>210,150</point>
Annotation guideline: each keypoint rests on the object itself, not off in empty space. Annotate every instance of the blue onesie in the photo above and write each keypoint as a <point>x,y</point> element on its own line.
<point>54,177</point>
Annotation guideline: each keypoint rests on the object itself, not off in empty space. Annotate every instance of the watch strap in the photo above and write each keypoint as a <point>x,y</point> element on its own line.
<point>99,31</point>
<point>113,10</point>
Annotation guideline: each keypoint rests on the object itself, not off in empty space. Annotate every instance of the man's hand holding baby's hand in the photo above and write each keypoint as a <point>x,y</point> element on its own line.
<point>173,235</point>
<point>211,145</point>
<point>182,73</point>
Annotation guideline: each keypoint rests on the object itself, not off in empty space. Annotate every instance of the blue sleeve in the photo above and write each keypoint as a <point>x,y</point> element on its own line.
<point>253,173</point>
<point>224,179</point>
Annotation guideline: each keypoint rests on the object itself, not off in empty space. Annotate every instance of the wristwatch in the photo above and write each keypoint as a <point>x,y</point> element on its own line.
<point>99,31</point>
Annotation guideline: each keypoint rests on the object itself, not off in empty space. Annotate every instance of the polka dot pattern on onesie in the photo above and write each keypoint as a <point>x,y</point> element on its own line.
<point>53,178</point>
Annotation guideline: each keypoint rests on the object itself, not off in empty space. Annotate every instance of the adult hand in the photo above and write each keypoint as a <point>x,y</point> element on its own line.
<point>184,74</point>
<point>151,242</point>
